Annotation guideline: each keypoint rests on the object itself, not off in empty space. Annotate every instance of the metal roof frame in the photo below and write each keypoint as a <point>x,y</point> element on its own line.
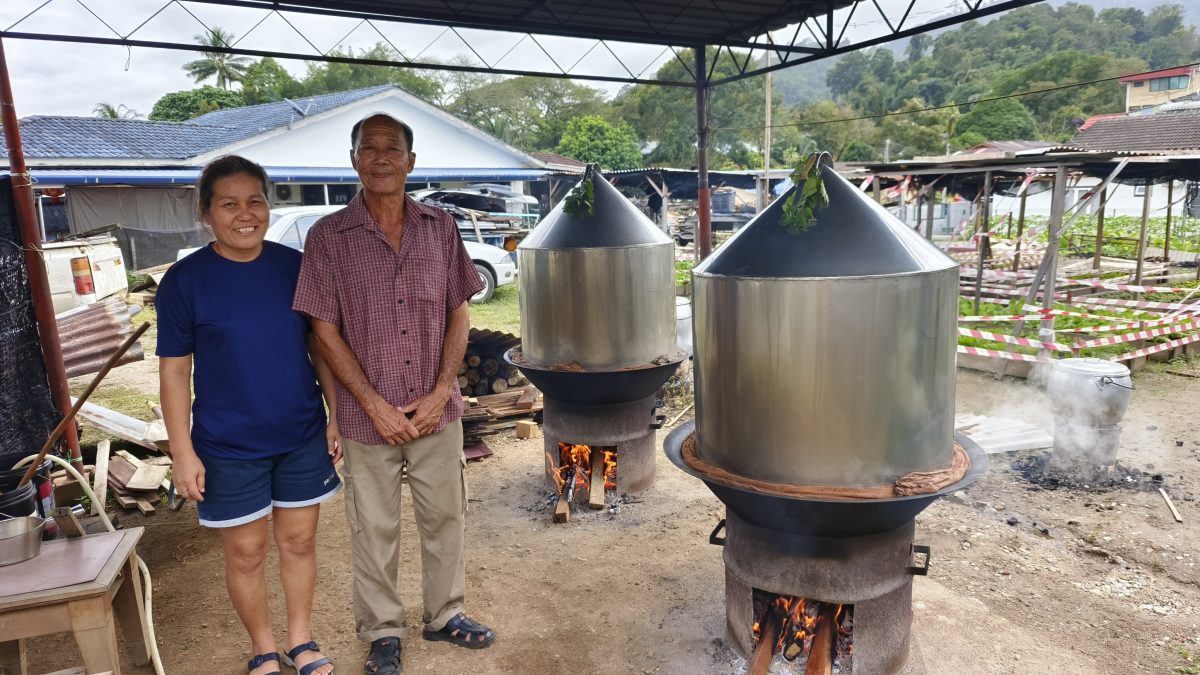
<point>743,32</point>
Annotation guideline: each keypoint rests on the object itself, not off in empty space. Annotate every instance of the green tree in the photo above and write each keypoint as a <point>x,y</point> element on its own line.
<point>117,112</point>
<point>1002,120</point>
<point>226,68</point>
<point>858,151</point>
<point>666,116</point>
<point>534,110</point>
<point>266,81</point>
<point>592,139</point>
<point>921,132</point>
<point>184,105</point>
<point>817,122</point>
<point>327,78</point>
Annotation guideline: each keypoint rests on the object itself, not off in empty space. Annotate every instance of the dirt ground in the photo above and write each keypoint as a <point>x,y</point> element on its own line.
<point>1023,580</point>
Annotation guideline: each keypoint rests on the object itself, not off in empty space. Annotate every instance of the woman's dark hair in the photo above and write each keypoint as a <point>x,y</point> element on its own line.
<point>224,167</point>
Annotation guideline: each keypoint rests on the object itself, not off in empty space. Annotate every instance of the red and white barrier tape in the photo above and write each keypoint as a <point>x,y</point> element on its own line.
<point>996,354</point>
<point>1140,335</point>
<point>1166,321</point>
<point>1040,316</point>
<point>1154,349</point>
<point>1014,340</point>
<point>1130,288</point>
<point>1138,304</point>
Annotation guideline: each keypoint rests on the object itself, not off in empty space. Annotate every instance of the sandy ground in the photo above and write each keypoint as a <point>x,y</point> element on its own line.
<point>1082,582</point>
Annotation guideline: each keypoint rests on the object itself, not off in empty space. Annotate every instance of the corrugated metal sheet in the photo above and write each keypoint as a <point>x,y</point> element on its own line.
<point>92,333</point>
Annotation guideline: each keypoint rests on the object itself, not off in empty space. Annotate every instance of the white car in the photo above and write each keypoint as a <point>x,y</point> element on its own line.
<point>290,225</point>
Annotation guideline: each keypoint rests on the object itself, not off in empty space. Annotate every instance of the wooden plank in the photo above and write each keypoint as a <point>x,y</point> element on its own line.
<point>147,477</point>
<point>144,506</point>
<point>527,398</point>
<point>119,495</point>
<point>562,511</point>
<point>596,492</point>
<point>100,486</point>
<point>118,424</point>
<point>120,471</point>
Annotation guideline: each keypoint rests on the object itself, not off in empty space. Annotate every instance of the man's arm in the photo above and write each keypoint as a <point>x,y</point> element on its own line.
<point>428,409</point>
<point>389,421</point>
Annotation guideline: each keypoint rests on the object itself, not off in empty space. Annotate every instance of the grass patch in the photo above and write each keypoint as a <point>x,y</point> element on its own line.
<point>502,312</point>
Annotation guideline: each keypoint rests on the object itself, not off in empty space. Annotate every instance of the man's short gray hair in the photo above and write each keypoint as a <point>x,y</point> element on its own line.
<point>408,132</point>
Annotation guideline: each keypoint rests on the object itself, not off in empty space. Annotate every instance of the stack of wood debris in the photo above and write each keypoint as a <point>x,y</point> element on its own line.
<point>494,413</point>
<point>483,371</point>
<point>133,483</point>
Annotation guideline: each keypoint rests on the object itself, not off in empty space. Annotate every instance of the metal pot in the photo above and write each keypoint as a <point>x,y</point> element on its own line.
<point>826,357</point>
<point>1089,398</point>
<point>597,288</point>
<point>20,539</point>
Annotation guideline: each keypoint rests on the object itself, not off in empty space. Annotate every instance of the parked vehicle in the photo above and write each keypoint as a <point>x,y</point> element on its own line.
<point>290,225</point>
<point>82,271</point>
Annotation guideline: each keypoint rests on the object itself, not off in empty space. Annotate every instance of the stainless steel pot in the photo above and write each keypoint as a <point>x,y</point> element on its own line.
<point>597,289</point>
<point>827,357</point>
<point>20,539</point>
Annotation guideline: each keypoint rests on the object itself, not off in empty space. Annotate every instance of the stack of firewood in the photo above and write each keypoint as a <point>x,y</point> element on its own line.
<point>483,370</point>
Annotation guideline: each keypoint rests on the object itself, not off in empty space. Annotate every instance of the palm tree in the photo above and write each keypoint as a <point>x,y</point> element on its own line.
<point>227,68</point>
<point>115,112</point>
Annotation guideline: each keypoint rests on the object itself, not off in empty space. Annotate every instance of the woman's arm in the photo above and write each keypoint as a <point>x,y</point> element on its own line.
<point>175,393</point>
<point>329,392</point>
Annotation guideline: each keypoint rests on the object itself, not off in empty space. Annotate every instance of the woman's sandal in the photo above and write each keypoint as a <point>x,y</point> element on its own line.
<point>290,658</point>
<point>384,656</point>
<point>463,632</point>
<point>258,661</point>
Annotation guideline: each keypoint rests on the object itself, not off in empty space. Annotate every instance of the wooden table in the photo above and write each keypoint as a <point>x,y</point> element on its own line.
<point>77,586</point>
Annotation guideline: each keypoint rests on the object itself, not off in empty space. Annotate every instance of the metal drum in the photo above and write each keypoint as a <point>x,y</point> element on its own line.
<point>827,357</point>
<point>597,289</point>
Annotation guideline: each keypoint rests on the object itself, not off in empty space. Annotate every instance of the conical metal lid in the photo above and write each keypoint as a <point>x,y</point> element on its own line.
<point>852,236</point>
<point>613,222</point>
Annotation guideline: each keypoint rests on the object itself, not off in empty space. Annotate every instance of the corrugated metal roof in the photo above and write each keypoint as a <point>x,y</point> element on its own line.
<point>1164,131</point>
<point>54,137</point>
<point>69,177</point>
<point>267,116</point>
<point>61,137</point>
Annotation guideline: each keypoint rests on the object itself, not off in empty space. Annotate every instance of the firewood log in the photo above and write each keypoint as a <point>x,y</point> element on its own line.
<point>472,376</point>
<point>499,385</point>
<point>473,360</point>
<point>820,655</point>
<point>490,366</point>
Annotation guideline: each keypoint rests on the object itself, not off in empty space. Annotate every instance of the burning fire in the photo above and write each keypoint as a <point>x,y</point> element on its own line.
<point>575,462</point>
<point>793,622</point>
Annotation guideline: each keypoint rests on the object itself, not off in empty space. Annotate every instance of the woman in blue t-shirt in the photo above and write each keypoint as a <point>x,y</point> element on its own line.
<point>259,444</point>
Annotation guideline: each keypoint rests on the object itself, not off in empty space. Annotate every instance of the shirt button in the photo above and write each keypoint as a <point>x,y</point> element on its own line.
<point>407,362</point>
<point>404,331</point>
<point>400,301</point>
<point>411,390</point>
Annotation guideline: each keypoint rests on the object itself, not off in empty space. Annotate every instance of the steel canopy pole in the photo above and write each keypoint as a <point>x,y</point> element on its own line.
<point>31,242</point>
<point>704,216</point>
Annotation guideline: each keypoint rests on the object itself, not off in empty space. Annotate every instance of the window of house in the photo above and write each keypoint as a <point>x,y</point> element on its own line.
<point>1167,83</point>
<point>1138,84</point>
<point>1139,190</point>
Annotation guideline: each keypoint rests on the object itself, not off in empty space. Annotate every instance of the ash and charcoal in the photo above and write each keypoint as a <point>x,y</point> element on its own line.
<point>1042,472</point>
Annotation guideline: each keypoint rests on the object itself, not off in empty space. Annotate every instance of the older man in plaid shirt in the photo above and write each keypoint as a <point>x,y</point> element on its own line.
<point>386,282</point>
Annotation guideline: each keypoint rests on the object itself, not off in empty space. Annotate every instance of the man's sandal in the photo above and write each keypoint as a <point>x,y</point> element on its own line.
<point>384,657</point>
<point>290,658</point>
<point>463,632</point>
<point>258,661</point>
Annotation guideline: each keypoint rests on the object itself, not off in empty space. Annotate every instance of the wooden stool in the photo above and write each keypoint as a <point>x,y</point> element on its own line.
<point>76,586</point>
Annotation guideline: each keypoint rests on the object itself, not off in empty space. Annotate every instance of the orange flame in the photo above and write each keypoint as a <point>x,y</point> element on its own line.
<point>580,457</point>
<point>797,621</point>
